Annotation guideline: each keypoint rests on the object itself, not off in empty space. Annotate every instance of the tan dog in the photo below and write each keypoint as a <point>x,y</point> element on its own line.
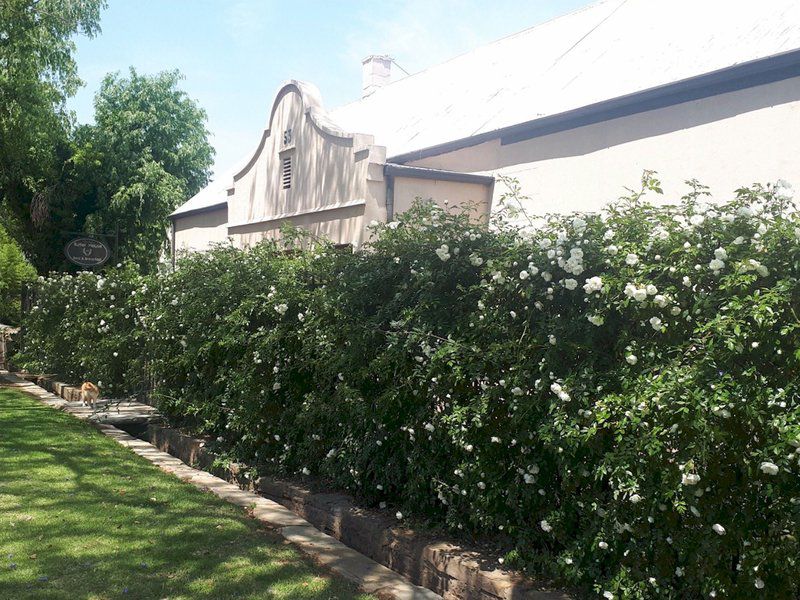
<point>89,393</point>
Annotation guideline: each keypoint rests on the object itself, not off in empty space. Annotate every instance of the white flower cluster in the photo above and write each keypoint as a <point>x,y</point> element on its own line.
<point>640,293</point>
<point>593,284</point>
<point>754,265</point>
<point>574,264</point>
<point>443,252</point>
<point>559,391</point>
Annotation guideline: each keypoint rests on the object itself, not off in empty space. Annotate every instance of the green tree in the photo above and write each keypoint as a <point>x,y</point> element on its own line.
<point>37,74</point>
<point>14,271</point>
<point>147,153</point>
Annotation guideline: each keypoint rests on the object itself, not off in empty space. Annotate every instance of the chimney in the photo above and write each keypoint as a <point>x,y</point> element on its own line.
<point>375,73</point>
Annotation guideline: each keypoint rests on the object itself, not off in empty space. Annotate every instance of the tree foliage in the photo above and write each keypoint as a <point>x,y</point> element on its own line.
<point>15,270</point>
<point>37,74</point>
<point>147,153</point>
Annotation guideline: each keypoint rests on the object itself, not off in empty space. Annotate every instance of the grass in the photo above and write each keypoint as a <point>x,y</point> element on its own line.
<point>82,517</point>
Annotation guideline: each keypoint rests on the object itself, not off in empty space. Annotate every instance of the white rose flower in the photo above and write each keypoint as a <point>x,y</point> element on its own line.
<point>281,308</point>
<point>517,391</point>
<point>443,252</point>
<point>524,275</point>
<point>602,545</point>
<point>690,479</point>
<point>651,289</point>
<point>640,294</point>
<point>631,359</point>
<point>635,499</point>
<point>631,259</point>
<point>655,323</point>
<point>718,529</point>
<point>759,583</point>
<point>399,515</point>
<point>612,250</point>
<point>475,260</point>
<point>769,468</point>
<point>546,527</point>
<point>696,220</point>
<point>570,284</point>
<point>595,320</point>
<point>593,284</point>
<point>716,264</point>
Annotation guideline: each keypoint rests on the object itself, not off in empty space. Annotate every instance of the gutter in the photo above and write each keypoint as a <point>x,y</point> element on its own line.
<point>762,71</point>
<point>395,170</point>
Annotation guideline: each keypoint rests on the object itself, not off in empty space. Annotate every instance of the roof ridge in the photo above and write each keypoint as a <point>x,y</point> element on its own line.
<point>584,8</point>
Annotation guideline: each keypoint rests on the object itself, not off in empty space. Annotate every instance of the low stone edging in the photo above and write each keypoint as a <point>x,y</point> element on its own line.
<point>446,568</point>
<point>332,554</point>
<point>438,565</point>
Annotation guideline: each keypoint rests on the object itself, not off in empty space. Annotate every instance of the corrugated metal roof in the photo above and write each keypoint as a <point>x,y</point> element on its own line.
<point>608,49</point>
<point>214,193</point>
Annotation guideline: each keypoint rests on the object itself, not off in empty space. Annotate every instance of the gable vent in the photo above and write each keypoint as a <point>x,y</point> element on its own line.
<point>286,172</point>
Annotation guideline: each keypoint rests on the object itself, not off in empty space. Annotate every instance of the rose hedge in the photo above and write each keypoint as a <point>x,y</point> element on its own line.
<point>613,398</point>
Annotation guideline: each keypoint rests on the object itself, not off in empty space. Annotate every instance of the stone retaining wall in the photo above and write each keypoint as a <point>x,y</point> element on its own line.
<point>446,568</point>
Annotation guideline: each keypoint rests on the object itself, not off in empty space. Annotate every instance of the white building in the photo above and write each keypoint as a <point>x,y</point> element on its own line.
<point>575,109</point>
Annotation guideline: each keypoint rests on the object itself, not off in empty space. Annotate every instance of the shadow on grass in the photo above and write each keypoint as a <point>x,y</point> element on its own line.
<point>81,517</point>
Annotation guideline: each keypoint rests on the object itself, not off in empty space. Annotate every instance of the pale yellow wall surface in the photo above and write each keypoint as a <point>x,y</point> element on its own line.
<point>725,142</point>
<point>200,231</point>
<point>450,194</point>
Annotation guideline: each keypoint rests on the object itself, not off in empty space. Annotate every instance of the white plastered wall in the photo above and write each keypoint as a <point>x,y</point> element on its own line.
<point>200,231</point>
<point>337,184</point>
<point>726,142</point>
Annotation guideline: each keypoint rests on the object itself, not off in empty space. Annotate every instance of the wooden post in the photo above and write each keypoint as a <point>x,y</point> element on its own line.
<point>3,364</point>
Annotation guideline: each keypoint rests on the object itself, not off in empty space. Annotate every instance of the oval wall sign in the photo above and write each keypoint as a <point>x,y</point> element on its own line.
<point>87,252</point>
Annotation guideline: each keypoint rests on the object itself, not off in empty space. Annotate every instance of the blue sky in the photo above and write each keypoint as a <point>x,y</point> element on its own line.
<point>235,53</point>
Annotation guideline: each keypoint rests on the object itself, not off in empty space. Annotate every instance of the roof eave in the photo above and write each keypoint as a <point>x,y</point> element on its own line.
<point>737,77</point>
<point>199,211</point>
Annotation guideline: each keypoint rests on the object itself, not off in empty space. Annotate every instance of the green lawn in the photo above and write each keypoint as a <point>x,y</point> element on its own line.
<point>82,517</point>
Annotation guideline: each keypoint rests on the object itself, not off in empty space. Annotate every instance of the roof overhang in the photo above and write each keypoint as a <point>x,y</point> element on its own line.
<point>199,211</point>
<point>395,170</point>
<point>730,79</point>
